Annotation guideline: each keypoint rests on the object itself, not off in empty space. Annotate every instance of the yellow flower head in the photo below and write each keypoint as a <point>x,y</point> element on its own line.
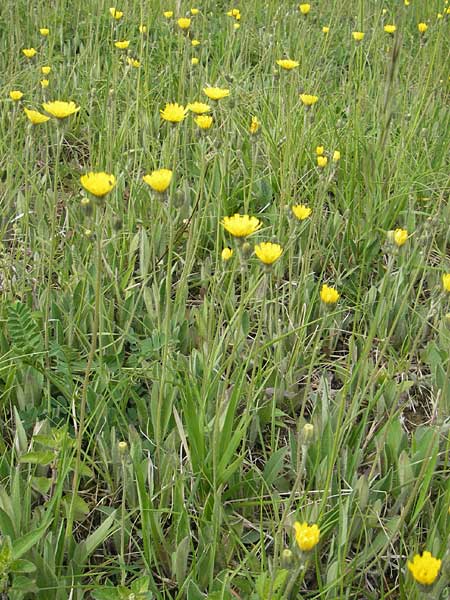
<point>446,285</point>
<point>440,16</point>
<point>304,8</point>
<point>133,62</point>
<point>216,93</point>
<point>301,211</point>
<point>116,14</point>
<point>159,180</point>
<point>390,28</point>
<point>204,121</point>
<point>287,64</point>
<point>98,184</point>
<point>400,236</point>
<point>60,109</point>
<point>241,226</point>
<point>44,83</point>
<point>142,28</point>
<point>425,568</point>
<point>320,150</point>
<point>322,161</point>
<point>236,25</point>
<point>173,112</point>
<point>422,27</point>
<point>44,31</point>
<point>254,125</point>
<point>268,253</point>
<point>29,52</point>
<point>227,253</point>
<point>308,99</point>
<point>329,295</point>
<point>234,12</point>
<point>45,70</point>
<point>122,44</point>
<point>358,36</point>
<point>194,60</point>
<point>168,14</point>
<point>184,23</point>
<point>306,536</point>
<point>35,117</point>
<point>199,108</point>
<point>195,11</point>
<point>16,95</point>
<point>336,156</point>
<point>325,29</point>
<point>195,43</point>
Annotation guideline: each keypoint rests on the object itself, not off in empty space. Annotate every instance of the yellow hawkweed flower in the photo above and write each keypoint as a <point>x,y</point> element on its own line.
<point>98,184</point>
<point>133,62</point>
<point>287,64</point>
<point>45,70</point>
<point>142,28</point>
<point>320,150</point>
<point>336,156</point>
<point>446,285</point>
<point>194,11</point>
<point>236,25</point>
<point>60,109</point>
<point>268,253</point>
<point>390,28</point>
<point>254,125</point>
<point>215,93</point>
<point>116,14</point>
<point>358,36</point>
<point>422,27</point>
<point>168,14</point>
<point>29,52</point>
<point>159,180</point>
<point>234,12</point>
<point>44,83</point>
<point>406,2</point>
<point>36,117</point>
<point>304,8</point>
<point>184,23</point>
<point>195,43</point>
<point>199,108</point>
<point>306,536</point>
<point>241,226</point>
<point>194,60</point>
<point>301,211</point>
<point>122,44</point>
<point>440,16</point>
<point>44,31</point>
<point>204,121</point>
<point>322,161</point>
<point>329,295</point>
<point>425,568</point>
<point>325,29</point>
<point>16,95</point>
<point>400,236</point>
<point>308,99</point>
<point>227,253</point>
<point>173,112</point>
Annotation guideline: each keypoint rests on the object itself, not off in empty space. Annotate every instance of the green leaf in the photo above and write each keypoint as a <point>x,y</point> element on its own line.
<point>274,465</point>
<point>22,566</point>
<point>43,457</point>
<point>23,544</point>
<point>22,329</point>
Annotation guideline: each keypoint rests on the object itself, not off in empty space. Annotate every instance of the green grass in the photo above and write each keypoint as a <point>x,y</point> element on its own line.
<point>120,322</point>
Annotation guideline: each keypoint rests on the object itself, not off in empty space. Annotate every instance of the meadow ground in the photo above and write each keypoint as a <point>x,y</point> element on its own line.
<point>199,407</point>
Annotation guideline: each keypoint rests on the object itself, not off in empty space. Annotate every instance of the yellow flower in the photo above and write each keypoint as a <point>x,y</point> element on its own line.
<point>422,27</point>
<point>29,52</point>
<point>325,29</point>
<point>440,16</point>
<point>195,43</point>
<point>390,28</point>
<point>301,211</point>
<point>216,93</point>
<point>306,536</point>
<point>446,284</point>
<point>322,161</point>
<point>36,117</point>
<point>287,64</point>
<point>199,108</point>
<point>254,125</point>
<point>44,83</point>
<point>168,14</point>
<point>44,31</point>
<point>308,100</point>
<point>241,226</point>
<point>268,253</point>
<point>194,11</point>
<point>16,95</point>
<point>329,295</point>
<point>184,23</point>
<point>98,184</point>
<point>173,112</point>
<point>142,28</point>
<point>406,2</point>
<point>320,150</point>
<point>159,180</point>
<point>45,70</point>
<point>336,156</point>
<point>122,44</point>
<point>236,25</point>
<point>227,253</point>
<point>304,8</point>
<point>358,36</point>
<point>234,12</point>
<point>204,121</point>
<point>400,236</point>
<point>116,14</point>
<point>60,109</point>
<point>133,62</point>
<point>194,60</point>
<point>425,568</point>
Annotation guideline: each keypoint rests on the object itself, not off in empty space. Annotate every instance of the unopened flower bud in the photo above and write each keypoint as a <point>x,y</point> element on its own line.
<point>123,447</point>
<point>308,432</point>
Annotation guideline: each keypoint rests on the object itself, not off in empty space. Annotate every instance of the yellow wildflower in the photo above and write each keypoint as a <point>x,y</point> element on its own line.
<point>236,25</point>
<point>400,236</point>
<point>195,43</point>
<point>199,108</point>
<point>227,253</point>
<point>122,44</point>
<point>234,12</point>
<point>322,161</point>
<point>133,62</point>
<point>241,226</point>
<point>173,112</point>
<point>254,125</point>
<point>44,31</point>
<point>44,83</point>
<point>325,29</point>
<point>336,156</point>
<point>116,14</point>
<point>425,568</point>
<point>358,36</point>
<point>45,70</point>
<point>446,285</point>
<point>329,295</point>
<point>287,64</point>
<point>168,14</point>
<point>16,95</point>
<point>184,23</point>
<point>304,8</point>
<point>390,28</point>
<point>204,121</point>
<point>195,11</point>
<point>35,117</point>
<point>142,28</point>
<point>159,180</point>
<point>306,536</point>
<point>301,211</point>
<point>194,60</point>
<point>268,253</point>
<point>98,184</point>
<point>29,52</point>
<point>60,109</point>
<point>422,27</point>
<point>320,150</point>
<point>308,99</point>
<point>215,93</point>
